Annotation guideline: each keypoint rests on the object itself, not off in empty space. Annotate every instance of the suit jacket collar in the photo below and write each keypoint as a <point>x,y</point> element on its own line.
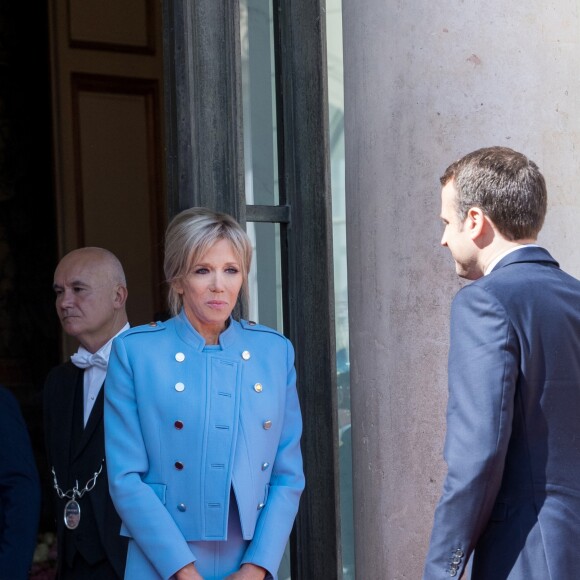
<point>63,413</point>
<point>95,419</point>
<point>74,380</point>
<point>527,254</point>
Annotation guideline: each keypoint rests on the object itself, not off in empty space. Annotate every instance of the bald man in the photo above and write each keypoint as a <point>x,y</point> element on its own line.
<point>91,293</point>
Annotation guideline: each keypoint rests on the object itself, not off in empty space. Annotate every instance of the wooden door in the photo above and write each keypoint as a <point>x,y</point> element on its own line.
<point>107,88</point>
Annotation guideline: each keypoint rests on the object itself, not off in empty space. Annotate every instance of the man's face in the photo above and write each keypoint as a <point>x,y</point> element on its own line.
<point>456,236</point>
<point>86,298</point>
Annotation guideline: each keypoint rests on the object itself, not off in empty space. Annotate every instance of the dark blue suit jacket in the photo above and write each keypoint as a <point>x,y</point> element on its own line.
<point>512,492</point>
<point>19,492</point>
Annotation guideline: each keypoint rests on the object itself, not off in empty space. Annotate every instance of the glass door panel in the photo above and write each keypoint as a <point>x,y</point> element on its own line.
<point>261,170</point>
<point>259,102</point>
<point>336,127</point>
<point>265,278</point>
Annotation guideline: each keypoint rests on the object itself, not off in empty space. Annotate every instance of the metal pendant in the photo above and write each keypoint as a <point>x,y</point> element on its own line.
<point>72,514</point>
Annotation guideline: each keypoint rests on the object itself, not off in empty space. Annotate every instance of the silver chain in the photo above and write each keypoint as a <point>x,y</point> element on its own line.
<point>74,493</point>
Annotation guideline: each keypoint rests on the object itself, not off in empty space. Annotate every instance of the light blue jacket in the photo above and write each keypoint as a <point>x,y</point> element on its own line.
<point>185,423</point>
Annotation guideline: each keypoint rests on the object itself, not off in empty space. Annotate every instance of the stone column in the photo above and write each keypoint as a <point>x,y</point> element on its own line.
<point>426,83</point>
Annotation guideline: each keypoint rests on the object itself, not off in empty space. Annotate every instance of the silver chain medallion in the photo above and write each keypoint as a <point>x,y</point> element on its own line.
<point>72,514</point>
<point>72,509</point>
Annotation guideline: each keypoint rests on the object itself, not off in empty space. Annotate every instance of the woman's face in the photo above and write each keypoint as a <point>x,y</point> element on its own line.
<point>210,290</point>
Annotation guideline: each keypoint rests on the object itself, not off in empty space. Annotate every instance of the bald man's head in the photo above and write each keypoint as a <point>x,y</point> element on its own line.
<point>91,293</point>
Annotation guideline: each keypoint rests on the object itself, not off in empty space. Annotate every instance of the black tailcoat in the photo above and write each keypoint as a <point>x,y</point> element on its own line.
<point>76,453</point>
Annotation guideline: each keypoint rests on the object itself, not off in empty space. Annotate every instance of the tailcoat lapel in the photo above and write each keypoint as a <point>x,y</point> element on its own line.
<point>63,414</point>
<point>94,421</point>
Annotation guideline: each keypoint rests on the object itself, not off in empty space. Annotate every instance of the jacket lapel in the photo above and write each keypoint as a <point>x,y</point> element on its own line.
<point>64,416</point>
<point>95,419</point>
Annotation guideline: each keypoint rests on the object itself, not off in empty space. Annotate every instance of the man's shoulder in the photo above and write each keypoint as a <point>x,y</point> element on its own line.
<point>527,274</point>
<point>517,286</point>
<point>62,374</point>
<point>65,368</point>
<point>8,403</point>
<point>6,396</point>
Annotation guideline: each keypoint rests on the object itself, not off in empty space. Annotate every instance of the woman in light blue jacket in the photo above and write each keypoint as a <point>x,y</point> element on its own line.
<point>202,421</point>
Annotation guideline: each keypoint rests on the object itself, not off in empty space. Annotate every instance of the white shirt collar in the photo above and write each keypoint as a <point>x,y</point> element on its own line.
<point>105,350</point>
<point>497,259</point>
<point>94,376</point>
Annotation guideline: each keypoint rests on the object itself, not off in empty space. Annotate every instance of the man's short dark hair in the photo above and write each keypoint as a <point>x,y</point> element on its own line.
<point>506,185</point>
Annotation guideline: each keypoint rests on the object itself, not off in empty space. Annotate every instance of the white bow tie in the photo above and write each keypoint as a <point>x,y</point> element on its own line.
<point>84,361</point>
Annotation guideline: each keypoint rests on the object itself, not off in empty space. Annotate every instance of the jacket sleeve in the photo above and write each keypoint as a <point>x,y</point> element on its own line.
<point>19,491</point>
<point>142,512</point>
<point>483,372</point>
<point>286,484</point>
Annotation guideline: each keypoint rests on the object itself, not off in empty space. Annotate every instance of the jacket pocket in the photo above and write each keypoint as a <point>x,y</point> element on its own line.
<point>159,489</point>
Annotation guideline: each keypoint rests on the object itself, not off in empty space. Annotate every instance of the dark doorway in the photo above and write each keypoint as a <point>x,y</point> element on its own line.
<point>29,343</point>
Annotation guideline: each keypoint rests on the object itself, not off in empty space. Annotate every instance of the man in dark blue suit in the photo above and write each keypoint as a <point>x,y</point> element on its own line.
<point>512,492</point>
<point>19,492</point>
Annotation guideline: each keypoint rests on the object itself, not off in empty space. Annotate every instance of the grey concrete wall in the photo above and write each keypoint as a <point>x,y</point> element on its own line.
<point>426,82</point>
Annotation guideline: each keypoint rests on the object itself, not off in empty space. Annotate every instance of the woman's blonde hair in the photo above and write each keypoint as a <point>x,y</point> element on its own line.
<point>189,235</point>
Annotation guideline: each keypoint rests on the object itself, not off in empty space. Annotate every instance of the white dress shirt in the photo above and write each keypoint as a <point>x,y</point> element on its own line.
<point>95,366</point>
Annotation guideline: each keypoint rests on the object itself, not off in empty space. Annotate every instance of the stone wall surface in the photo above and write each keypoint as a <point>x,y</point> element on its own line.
<point>426,83</point>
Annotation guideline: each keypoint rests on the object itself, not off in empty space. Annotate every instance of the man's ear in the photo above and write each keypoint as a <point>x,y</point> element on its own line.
<point>476,223</point>
<point>121,294</point>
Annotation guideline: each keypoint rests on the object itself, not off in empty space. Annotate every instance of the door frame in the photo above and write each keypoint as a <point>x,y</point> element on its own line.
<point>205,167</point>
